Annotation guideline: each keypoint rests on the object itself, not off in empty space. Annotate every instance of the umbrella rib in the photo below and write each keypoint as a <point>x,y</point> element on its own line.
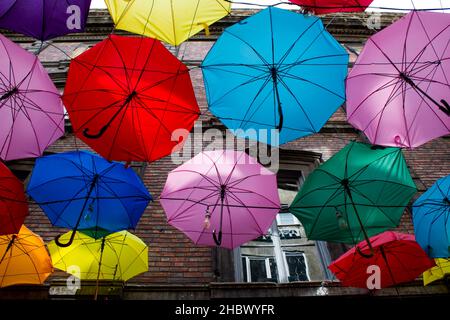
<point>373,204</point>
<point>299,104</point>
<point>233,196</point>
<point>249,45</point>
<point>291,76</point>
<point>244,122</point>
<point>362,169</point>
<point>288,51</point>
<point>333,196</point>
<point>204,176</point>
<point>240,190</point>
<point>194,202</point>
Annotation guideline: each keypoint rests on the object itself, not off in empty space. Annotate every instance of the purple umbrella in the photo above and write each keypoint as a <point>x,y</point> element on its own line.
<point>31,111</point>
<point>44,19</point>
<point>223,198</point>
<point>398,92</point>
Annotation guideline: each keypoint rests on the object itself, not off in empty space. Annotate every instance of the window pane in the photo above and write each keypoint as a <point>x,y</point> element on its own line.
<point>297,266</point>
<point>244,269</point>
<point>258,270</point>
<point>286,218</point>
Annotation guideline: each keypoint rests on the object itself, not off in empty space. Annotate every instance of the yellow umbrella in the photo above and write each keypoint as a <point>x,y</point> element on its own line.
<point>172,21</point>
<point>441,270</point>
<point>23,259</point>
<point>118,256</point>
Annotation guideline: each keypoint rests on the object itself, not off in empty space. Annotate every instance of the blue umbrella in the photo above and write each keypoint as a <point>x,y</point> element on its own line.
<point>431,216</point>
<point>82,191</point>
<point>275,73</point>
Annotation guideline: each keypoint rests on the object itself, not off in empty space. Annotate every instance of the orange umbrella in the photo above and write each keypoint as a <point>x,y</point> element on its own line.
<point>24,259</point>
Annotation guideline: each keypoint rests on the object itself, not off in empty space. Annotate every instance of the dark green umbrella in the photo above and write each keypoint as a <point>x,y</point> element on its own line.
<point>359,192</point>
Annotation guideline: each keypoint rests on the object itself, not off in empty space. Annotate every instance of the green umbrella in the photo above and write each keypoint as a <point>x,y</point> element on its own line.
<point>360,192</point>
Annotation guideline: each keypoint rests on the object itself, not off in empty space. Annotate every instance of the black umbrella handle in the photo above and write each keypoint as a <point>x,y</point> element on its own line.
<point>217,239</point>
<point>72,236</point>
<point>96,135</point>
<point>445,108</point>
<point>69,243</point>
<point>367,256</point>
<point>108,124</point>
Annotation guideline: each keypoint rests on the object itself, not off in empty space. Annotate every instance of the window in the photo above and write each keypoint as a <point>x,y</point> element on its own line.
<point>259,269</point>
<point>298,270</point>
<point>285,254</point>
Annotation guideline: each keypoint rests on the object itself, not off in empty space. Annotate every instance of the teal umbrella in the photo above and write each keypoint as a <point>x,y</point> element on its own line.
<point>360,192</point>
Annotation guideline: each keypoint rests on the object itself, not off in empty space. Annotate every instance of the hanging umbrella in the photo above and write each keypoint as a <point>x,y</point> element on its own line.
<point>441,271</point>
<point>172,21</point>
<point>119,256</point>
<point>44,19</point>
<point>359,192</point>
<point>398,257</point>
<point>23,259</point>
<point>398,92</point>
<point>431,214</point>
<point>331,6</point>
<point>265,78</point>
<point>31,111</point>
<point>13,203</point>
<point>224,198</point>
<point>127,96</point>
<point>80,190</point>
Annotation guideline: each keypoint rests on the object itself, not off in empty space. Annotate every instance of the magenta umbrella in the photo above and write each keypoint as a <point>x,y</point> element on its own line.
<point>398,92</point>
<point>224,198</point>
<point>31,111</point>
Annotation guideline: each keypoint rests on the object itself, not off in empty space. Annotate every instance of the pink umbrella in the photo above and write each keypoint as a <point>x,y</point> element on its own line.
<point>224,198</point>
<point>31,111</point>
<point>398,92</point>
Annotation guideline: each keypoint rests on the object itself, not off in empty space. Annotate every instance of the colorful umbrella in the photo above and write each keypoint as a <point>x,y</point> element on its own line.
<point>398,91</point>
<point>224,198</point>
<point>266,78</point>
<point>126,96</point>
<point>118,256</point>
<point>359,192</point>
<point>431,213</point>
<point>398,257</point>
<point>331,6</point>
<point>80,190</point>
<point>13,203</point>
<point>44,19</point>
<point>24,259</point>
<point>172,21</point>
<point>31,111</point>
<point>441,271</point>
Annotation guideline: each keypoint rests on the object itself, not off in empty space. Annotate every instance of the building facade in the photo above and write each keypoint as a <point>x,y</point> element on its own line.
<point>282,263</point>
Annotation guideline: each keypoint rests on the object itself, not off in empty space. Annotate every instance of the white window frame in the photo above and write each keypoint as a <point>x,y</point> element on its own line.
<point>304,258</point>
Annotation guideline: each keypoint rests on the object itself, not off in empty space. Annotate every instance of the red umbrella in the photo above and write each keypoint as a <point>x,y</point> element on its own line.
<point>330,6</point>
<point>13,203</point>
<point>127,95</point>
<point>398,257</point>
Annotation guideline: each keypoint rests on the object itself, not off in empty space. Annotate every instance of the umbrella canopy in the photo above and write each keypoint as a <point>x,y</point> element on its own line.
<point>172,21</point>
<point>431,213</point>
<point>264,75</point>
<point>222,197</point>
<point>359,192</point>
<point>398,256</point>
<point>126,96</point>
<point>80,190</point>
<point>441,271</point>
<point>44,19</point>
<point>398,91</point>
<point>31,111</point>
<point>331,6</point>
<point>13,203</point>
<point>23,259</point>
<point>118,256</point>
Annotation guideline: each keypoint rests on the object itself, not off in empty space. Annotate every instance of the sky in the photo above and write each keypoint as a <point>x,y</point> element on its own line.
<point>403,4</point>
